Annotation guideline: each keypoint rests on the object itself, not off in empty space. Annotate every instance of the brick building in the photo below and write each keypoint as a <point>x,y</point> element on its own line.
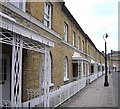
<point>46,56</point>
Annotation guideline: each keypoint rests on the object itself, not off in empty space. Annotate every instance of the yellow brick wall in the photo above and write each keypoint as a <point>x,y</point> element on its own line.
<point>56,18</point>
<point>58,54</point>
<point>36,9</point>
<point>31,71</point>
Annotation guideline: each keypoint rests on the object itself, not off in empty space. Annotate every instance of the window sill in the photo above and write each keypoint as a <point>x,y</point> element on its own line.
<point>66,79</point>
<point>51,84</point>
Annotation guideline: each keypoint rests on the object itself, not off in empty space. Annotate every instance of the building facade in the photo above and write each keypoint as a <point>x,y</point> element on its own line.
<point>114,61</point>
<point>45,55</point>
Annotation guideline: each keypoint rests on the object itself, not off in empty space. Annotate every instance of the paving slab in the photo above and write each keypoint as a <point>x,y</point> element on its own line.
<point>93,95</point>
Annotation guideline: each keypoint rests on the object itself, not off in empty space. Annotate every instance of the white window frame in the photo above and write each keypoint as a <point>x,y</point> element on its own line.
<point>20,4</point>
<point>65,69</point>
<point>78,42</point>
<point>73,38</point>
<point>47,14</point>
<point>66,32</point>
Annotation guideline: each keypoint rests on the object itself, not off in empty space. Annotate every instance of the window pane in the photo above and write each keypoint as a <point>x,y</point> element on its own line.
<point>83,46</point>
<point>49,10</point>
<point>65,68</point>
<point>65,32</point>
<point>73,38</point>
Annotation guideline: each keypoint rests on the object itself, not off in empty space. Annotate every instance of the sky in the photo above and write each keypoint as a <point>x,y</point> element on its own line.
<point>96,18</point>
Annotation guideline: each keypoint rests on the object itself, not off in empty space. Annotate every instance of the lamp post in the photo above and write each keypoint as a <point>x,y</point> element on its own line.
<point>106,77</point>
<point>109,62</point>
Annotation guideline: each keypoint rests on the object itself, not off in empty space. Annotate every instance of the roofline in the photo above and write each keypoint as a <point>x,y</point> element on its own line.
<point>67,12</point>
<point>87,37</point>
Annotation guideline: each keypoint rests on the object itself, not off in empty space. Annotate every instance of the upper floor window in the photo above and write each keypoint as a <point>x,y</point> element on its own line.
<point>83,45</point>
<point>78,42</point>
<point>65,69</point>
<point>88,49</point>
<point>21,4</point>
<point>65,32</point>
<point>73,38</point>
<point>47,14</point>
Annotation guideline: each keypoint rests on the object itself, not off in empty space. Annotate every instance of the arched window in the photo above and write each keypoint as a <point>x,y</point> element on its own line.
<point>50,69</point>
<point>65,69</point>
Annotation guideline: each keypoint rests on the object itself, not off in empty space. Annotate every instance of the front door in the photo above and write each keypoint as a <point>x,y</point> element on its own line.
<point>5,76</point>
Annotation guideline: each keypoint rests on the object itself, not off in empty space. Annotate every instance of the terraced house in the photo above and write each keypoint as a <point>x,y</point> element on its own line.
<point>46,56</point>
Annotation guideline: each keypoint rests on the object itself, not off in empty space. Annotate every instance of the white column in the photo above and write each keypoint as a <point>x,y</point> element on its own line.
<point>16,71</point>
<point>46,78</point>
<point>88,69</point>
<point>97,70</point>
<point>78,69</point>
<point>82,69</point>
<point>85,70</point>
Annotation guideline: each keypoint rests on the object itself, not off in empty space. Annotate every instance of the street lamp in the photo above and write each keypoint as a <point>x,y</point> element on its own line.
<point>106,77</point>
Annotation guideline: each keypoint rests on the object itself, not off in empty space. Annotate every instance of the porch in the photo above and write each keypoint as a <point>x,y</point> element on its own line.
<point>24,57</point>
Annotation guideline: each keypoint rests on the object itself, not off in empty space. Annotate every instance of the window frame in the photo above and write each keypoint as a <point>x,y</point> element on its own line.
<point>50,68</point>
<point>19,4</point>
<point>65,68</point>
<point>65,32</point>
<point>83,45</point>
<point>47,14</point>
<point>73,38</point>
<point>79,42</point>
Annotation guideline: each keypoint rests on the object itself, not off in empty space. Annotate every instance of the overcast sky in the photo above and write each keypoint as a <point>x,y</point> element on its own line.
<point>97,17</point>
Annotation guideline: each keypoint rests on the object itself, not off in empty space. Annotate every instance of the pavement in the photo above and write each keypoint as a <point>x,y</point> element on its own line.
<point>96,95</point>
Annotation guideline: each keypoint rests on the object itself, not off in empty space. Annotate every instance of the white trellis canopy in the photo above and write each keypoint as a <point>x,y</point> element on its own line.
<point>7,38</point>
<point>77,56</point>
<point>10,24</point>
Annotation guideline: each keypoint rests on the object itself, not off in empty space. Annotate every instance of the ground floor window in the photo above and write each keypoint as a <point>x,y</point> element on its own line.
<point>75,69</point>
<point>103,68</point>
<point>92,69</point>
<point>65,68</point>
<point>98,68</point>
<point>84,69</point>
